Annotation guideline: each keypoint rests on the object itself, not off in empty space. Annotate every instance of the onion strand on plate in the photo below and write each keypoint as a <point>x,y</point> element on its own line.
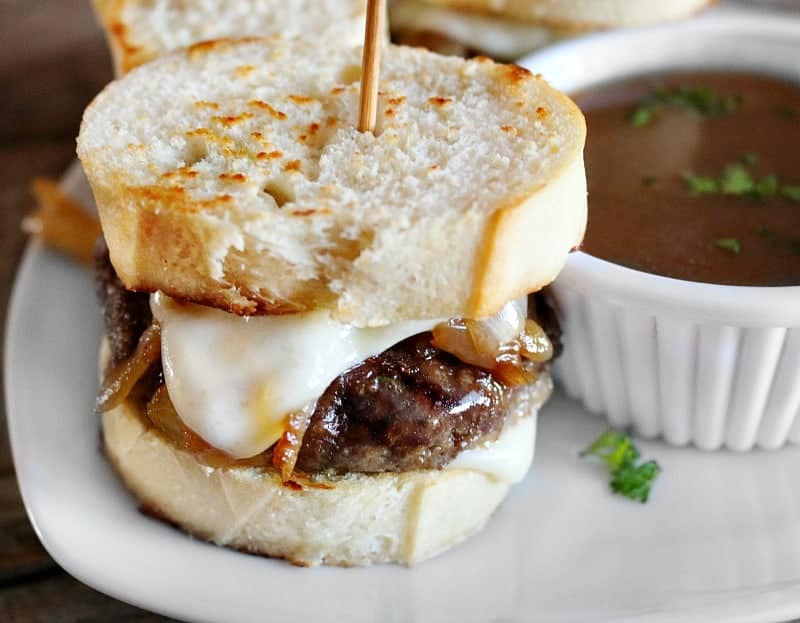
<point>61,222</point>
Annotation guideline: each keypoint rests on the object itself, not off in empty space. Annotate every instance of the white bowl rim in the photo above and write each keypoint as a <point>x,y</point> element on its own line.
<point>753,306</point>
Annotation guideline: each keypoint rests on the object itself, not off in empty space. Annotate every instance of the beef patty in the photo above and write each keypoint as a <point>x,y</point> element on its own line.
<point>413,406</point>
<point>126,314</point>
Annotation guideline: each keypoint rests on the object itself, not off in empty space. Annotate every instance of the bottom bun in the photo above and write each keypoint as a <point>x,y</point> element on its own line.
<point>356,519</point>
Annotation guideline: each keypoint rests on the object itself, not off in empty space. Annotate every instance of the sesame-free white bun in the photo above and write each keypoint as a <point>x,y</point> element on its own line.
<point>495,36</point>
<point>509,29</point>
<point>361,519</point>
<point>140,30</point>
<point>232,175</point>
<point>582,14</point>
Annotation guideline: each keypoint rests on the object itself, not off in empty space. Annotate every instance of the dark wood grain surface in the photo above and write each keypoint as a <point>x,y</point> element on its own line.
<point>53,60</point>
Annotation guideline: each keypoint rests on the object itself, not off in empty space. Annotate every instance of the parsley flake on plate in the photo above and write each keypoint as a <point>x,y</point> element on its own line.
<point>635,481</point>
<point>629,478</point>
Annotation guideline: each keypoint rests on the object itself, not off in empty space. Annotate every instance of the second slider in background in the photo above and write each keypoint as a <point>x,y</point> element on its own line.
<point>509,29</point>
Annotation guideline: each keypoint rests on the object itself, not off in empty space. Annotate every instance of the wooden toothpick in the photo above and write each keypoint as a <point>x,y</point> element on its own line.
<point>371,65</point>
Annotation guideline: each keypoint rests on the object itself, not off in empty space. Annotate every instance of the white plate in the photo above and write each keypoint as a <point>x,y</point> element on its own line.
<point>719,540</point>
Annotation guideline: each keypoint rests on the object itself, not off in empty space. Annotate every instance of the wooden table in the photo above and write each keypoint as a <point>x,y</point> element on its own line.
<point>53,60</point>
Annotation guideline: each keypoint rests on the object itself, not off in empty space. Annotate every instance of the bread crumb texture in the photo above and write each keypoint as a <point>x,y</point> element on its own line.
<point>253,191</point>
<point>141,30</point>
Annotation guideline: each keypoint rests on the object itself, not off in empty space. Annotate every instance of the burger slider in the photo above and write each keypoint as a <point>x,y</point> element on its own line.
<point>319,343</point>
<point>140,30</point>
<point>509,29</point>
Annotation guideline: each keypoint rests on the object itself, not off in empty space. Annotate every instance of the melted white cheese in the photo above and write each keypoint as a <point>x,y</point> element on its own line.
<point>505,38</point>
<point>234,380</point>
<point>508,458</point>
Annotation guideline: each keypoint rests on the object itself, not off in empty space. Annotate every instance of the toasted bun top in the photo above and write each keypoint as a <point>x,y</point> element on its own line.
<point>583,14</point>
<point>232,175</point>
<point>141,30</point>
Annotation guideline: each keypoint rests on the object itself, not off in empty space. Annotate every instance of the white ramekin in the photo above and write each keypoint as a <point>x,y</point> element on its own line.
<point>715,366</point>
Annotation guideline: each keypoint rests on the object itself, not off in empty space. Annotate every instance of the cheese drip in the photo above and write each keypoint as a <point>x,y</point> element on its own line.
<point>508,458</point>
<point>234,380</point>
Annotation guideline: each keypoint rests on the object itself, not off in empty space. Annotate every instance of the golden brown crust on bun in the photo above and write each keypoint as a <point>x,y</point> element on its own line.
<point>140,30</point>
<point>253,192</point>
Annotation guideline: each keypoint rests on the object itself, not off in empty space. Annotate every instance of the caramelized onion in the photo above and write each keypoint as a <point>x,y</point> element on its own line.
<point>287,449</point>
<point>123,377</point>
<point>513,374</point>
<point>534,343</point>
<point>456,338</point>
<point>61,222</point>
<point>502,344</point>
<point>162,415</point>
<point>490,334</point>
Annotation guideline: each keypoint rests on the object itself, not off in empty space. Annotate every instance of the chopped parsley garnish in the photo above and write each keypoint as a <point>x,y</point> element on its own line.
<point>700,185</point>
<point>700,99</point>
<point>737,180</point>
<point>629,478</point>
<point>779,242</point>
<point>786,111</point>
<point>791,191</point>
<point>750,159</point>
<point>635,481</point>
<point>767,186</point>
<point>649,180</point>
<point>616,449</point>
<point>642,115</point>
<point>729,244</point>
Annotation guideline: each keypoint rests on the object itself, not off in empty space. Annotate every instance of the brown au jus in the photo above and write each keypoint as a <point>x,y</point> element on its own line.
<point>696,176</point>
